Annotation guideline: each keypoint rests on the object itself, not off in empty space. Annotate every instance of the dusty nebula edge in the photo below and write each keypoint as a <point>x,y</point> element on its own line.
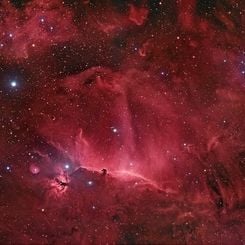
<point>122,122</point>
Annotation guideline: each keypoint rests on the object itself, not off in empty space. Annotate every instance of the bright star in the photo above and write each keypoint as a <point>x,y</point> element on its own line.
<point>90,182</point>
<point>114,130</point>
<point>13,84</point>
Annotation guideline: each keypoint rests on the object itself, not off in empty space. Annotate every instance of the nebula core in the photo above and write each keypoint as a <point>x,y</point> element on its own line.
<point>122,122</point>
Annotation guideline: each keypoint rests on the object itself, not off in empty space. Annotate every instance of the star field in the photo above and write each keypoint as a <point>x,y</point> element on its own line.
<point>122,122</point>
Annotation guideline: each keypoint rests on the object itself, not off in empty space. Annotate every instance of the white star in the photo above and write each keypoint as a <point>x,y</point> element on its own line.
<point>90,182</point>
<point>13,84</point>
<point>114,130</point>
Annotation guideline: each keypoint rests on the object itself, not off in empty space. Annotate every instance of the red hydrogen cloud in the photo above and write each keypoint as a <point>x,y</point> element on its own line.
<point>122,122</point>
<point>34,169</point>
<point>138,15</point>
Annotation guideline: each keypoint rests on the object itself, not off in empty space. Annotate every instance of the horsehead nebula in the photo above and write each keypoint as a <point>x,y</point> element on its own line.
<point>122,122</point>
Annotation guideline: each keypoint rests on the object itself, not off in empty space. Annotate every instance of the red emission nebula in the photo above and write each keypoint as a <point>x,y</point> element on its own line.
<point>122,122</point>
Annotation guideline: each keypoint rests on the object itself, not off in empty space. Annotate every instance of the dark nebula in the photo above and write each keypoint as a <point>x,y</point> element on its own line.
<point>122,122</point>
